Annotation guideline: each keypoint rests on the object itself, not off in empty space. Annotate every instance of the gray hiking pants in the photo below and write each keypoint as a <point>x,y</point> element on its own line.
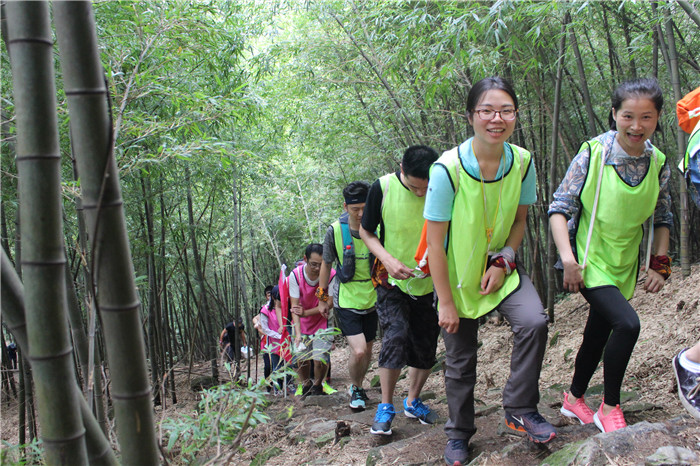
<point>528,321</point>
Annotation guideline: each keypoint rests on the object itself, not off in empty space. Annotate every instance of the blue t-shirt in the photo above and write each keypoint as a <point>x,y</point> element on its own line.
<point>440,195</point>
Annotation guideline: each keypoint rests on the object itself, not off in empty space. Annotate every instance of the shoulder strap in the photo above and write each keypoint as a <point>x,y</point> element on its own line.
<point>514,149</point>
<point>345,230</point>
<point>457,170</point>
<point>384,182</point>
<point>595,199</point>
<point>650,230</point>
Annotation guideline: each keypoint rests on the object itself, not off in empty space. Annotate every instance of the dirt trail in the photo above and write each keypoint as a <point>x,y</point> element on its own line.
<point>669,322</point>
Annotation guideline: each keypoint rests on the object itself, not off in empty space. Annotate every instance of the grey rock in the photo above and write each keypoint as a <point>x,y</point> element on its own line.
<point>672,456</point>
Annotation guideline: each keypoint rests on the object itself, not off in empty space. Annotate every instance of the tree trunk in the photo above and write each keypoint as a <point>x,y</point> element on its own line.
<point>680,143</point>
<point>210,349</point>
<point>43,258</point>
<point>584,84</point>
<point>551,247</point>
<point>692,12</point>
<point>153,318</point>
<point>110,259</point>
<point>13,298</point>
<point>77,327</point>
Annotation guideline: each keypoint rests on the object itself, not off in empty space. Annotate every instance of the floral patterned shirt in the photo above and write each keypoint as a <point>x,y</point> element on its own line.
<point>567,199</point>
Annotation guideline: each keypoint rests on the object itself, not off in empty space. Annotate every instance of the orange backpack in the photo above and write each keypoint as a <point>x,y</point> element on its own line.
<point>688,111</point>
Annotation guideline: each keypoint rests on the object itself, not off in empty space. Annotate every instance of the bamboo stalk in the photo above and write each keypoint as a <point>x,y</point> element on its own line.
<point>110,259</point>
<point>43,259</point>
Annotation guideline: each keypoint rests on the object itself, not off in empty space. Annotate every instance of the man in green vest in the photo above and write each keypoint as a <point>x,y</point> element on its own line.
<point>354,298</point>
<point>405,309</point>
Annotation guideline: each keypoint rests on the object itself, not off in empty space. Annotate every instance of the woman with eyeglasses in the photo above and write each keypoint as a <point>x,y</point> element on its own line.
<point>476,208</point>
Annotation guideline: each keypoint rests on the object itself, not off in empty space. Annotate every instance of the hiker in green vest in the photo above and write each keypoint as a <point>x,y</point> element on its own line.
<point>686,364</point>
<point>616,182</point>
<point>405,310</point>
<point>355,298</point>
<point>476,212</point>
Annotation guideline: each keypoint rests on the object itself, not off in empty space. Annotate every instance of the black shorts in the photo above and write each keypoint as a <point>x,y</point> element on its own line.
<point>351,323</point>
<point>410,328</point>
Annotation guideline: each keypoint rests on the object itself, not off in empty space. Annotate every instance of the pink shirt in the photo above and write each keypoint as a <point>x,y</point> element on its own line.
<point>274,326</point>
<point>308,300</point>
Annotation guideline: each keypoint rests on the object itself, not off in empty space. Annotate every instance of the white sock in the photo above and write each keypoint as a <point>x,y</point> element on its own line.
<point>689,365</point>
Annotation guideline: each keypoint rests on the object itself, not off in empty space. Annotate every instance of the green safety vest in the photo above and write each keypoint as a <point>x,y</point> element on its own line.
<point>358,293</point>
<point>613,255</point>
<point>402,217</point>
<point>693,146</point>
<point>467,246</point>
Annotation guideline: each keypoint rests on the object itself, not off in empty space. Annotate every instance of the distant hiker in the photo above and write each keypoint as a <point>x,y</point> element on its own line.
<point>310,322</point>
<point>232,338</point>
<point>258,325</point>
<point>615,183</point>
<point>394,210</point>
<point>12,355</point>
<point>271,322</point>
<point>355,298</point>
<point>476,208</point>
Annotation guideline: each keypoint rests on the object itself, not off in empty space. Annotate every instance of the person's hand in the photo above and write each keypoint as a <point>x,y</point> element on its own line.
<point>398,269</point>
<point>298,310</point>
<point>492,280</point>
<point>573,280</point>
<point>654,282</point>
<point>447,316</point>
<point>323,308</point>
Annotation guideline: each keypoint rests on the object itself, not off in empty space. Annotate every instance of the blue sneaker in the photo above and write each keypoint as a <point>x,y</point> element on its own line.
<point>419,411</point>
<point>456,452</point>
<point>382,420</point>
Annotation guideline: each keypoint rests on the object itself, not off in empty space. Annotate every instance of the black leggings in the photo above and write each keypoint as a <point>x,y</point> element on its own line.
<point>613,326</point>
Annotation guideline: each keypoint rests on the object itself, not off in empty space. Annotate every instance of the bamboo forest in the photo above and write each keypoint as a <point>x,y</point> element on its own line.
<point>164,160</point>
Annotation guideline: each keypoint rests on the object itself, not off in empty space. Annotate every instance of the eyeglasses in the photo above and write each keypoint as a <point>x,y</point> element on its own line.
<point>315,265</point>
<point>488,114</point>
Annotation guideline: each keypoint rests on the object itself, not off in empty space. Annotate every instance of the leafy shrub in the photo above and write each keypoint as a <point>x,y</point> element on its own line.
<point>222,416</point>
<point>12,454</point>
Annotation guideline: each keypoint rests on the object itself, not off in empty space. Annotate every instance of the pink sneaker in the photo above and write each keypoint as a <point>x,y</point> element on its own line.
<point>578,410</point>
<point>613,421</point>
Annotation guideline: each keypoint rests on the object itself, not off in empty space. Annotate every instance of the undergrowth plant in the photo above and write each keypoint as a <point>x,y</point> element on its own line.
<point>19,455</point>
<point>223,415</point>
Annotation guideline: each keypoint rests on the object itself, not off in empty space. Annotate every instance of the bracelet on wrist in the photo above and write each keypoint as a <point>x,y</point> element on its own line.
<point>501,262</point>
<point>661,265</point>
<point>322,294</point>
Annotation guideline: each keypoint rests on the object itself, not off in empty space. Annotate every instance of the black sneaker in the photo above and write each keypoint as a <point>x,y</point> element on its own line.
<point>688,387</point>
<point>356,400</point>
<point>316,390</point>
<point>456,452</point>
<point>533,424</point>
<point>363,394</point>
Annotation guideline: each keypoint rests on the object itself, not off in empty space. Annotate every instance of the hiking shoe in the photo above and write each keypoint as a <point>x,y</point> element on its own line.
<point>356,400</point>
<point>419,411</point>
<point>363,394</point>
<point>613,421</point>
<point>578,410</point>
<point>688,387</point>
<point>327,389</point>
<point>533,424</point>
<point>303,389</point>
<point>456,452</point>
<point>316,390</point>
<point>382,420</point>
